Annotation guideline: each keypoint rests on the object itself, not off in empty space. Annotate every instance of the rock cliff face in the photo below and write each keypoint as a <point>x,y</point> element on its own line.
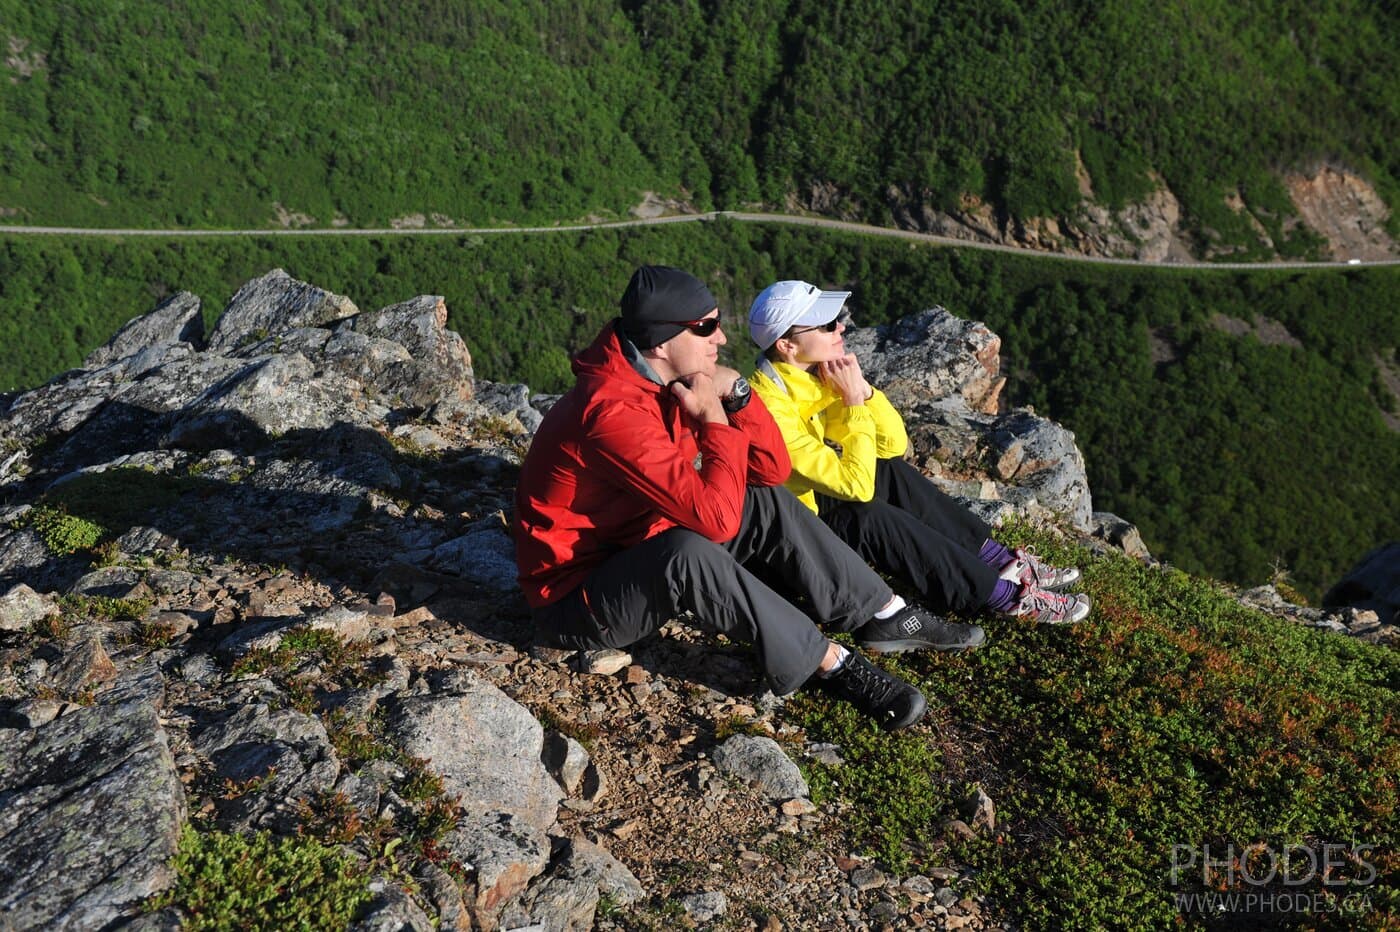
<point>263,582</point>
<point>1339,205</point>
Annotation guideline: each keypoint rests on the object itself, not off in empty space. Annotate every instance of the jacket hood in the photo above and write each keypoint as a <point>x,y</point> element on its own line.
<point>603,365</point>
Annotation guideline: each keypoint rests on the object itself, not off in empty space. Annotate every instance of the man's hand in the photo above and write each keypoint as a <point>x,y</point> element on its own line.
<point>845,376</point>
<point>699,399</point>
<point>725,378</point>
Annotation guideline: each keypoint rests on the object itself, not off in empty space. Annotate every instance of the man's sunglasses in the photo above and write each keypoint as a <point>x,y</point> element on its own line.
<point>703,327</point>
<point>830,327</point>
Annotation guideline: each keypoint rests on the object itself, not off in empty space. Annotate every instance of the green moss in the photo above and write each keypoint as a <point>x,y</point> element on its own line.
<point>1173,716</point>
<point>62,532</point>
<point>259,882</point>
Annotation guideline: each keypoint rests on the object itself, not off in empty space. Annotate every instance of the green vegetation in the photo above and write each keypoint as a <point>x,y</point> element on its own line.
<point>154,115</point>
<point>63,533</point>
<point>260,882</point>
<point>1235,456</point>
<point>1173,717</point>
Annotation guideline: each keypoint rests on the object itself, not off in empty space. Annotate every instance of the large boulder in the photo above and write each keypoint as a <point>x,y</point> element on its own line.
<point>174,320</point>
<point>441,366</point>
<point>485,746</point>
<point>274,303</point>
<point>91,808</point>
<point>930,356</point>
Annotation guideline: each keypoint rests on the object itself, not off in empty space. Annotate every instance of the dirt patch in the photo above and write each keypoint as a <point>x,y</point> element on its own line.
<point>289,219</point>
<point>1347,211</point>
<point>23,62</point>
<point>654,205</point>
<point>1161,347</point>
<point>1264,329</point>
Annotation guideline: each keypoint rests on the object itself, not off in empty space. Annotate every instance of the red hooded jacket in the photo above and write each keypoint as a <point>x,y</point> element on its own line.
<point>615,462</point>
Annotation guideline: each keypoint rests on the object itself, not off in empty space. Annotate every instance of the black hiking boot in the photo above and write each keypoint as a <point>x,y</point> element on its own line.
<point>914,628</point>
<point>893,703</point>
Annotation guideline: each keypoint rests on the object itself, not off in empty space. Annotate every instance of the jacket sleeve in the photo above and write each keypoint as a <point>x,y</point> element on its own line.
<point>891,440</point>
<point>848,475</point>
<point>633,447</point>
<point>769,462</point>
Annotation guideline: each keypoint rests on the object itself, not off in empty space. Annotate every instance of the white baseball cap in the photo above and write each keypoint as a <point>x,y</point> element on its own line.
<point>791,304</point>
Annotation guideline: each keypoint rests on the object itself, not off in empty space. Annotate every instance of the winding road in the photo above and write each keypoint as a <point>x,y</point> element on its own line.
<point>738,216</point>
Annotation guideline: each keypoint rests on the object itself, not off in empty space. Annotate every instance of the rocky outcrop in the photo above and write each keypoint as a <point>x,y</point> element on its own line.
<point>91,807</point>
<point>943,374</point>
<point>309,624</point>
<point>1346,210</point>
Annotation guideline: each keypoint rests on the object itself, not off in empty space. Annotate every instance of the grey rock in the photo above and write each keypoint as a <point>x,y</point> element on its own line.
<point>31,713</point>
<point>274,303</point>
<point>702,907</point>
<point>566,759</point>
<point>485,557</point>
<point>565,899</point>
<point>1120,533</point>
<point>1374,583</point>
<point>929,356</point>
<point>484,745</point>
<point>288,752</point>
<point>760,761</point>
<point>167,920</point>
<point>979,810</point>
<point>507,401</point>
<point>21,606</point>
<point>268,397</point>
<point>113,582</point>
<point>174,320</point>
<point>506,852</point>
<point>1041,456</point>
<point>24,557</point>
<point>442,892</point>
<point>146,541</point>
<point>142,683</point>
<point>85,664</point>
<point>392,910</point>
<point>443,364</point>
<point>92,813</point>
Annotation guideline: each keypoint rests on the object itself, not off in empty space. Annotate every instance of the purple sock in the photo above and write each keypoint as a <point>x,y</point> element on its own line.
<point>994,554</point>
<point>1003,596</point>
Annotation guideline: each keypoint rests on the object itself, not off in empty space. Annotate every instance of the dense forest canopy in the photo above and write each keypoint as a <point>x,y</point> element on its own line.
<point>1236,452</point>
<point>221,114</point>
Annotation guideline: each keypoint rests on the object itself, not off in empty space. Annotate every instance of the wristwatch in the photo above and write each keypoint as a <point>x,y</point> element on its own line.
<point>738,396</point>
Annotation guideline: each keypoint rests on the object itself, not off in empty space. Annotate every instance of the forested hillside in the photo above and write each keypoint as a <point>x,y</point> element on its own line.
<point>1237,418</point>
<point>224,114</point>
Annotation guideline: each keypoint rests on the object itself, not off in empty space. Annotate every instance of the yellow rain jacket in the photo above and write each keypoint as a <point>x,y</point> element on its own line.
<point>809,413</point>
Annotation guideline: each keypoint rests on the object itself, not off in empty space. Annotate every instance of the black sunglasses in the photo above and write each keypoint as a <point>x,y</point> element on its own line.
<point>830,327</point>
<point>703,327</point>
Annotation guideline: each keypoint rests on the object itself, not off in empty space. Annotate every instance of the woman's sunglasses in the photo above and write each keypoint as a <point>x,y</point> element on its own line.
<point>703,327</point>
<point>830,327</point>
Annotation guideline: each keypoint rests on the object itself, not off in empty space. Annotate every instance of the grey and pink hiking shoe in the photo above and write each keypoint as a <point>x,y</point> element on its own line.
<point>1051,608</point>
<point>1027,569</point>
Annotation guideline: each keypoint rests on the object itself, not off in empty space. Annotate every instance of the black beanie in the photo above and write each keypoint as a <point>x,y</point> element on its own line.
<point>656,298</point>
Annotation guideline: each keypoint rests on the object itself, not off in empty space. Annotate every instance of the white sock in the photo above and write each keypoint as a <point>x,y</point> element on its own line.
<point>841,655</point>
<point>889,610</point>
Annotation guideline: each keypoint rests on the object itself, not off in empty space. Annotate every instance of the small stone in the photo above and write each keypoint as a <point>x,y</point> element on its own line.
<point>884,912</point>
<point>702,907</point>
<point>979,810</point>
<point>945,896</point>
<point>21,606</point>
<point>637,675</point>
<point>604,662</point>
<point>867,878</point>
<point>798,807</point>
<point>625,829</point>
<point>958,830</point>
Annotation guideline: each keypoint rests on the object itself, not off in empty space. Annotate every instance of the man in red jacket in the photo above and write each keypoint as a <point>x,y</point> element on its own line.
<point>654,484</point>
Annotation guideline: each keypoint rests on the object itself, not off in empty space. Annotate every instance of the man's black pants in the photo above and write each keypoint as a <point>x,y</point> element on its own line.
<point>916,532</point>
<point>639,589</point>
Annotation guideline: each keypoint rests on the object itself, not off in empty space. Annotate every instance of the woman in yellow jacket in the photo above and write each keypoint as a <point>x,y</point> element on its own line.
<point>876,502</point>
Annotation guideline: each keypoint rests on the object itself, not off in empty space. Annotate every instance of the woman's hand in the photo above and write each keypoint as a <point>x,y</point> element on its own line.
<point>845,376</point>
